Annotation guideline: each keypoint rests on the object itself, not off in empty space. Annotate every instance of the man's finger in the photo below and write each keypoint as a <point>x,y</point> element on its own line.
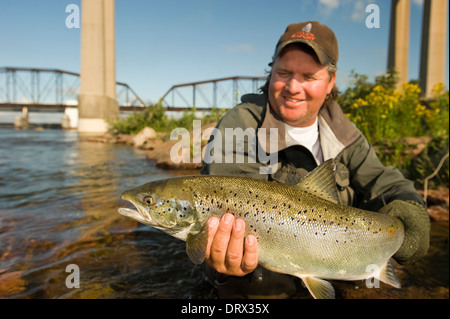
<point>213,224</point>
<point>250,259</point>
<point>235,249</point>
<point>219,244</point>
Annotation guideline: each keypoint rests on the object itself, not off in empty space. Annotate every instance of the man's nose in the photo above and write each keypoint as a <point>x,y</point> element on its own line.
<point>294,86</point>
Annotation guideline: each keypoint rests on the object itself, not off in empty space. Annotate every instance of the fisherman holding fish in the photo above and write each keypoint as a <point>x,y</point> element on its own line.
<point>298,100</point>
<point>297,195</point>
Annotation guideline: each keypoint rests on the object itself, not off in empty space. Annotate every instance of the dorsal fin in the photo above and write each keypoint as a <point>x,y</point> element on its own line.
<point>321,182</point>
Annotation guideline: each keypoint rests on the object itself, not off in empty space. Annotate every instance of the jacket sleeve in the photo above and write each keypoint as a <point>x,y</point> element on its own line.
<point>375,185</point>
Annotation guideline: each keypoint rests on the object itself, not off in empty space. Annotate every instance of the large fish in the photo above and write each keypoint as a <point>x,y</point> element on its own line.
<point>302,229</point>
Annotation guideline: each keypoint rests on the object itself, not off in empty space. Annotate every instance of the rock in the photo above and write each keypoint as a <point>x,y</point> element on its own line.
<point>438,213</point>
<point>125,139</point>
<point>160,153</point>
<point>11,283</point>
<point>145,134</point>
<point>152,144</point>
<point>437,203</point>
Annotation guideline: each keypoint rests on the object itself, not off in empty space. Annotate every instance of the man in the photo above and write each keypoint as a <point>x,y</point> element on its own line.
<point>298,100</point>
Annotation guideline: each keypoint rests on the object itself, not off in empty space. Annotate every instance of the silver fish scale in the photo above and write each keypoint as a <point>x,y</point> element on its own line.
<point>309,234</point>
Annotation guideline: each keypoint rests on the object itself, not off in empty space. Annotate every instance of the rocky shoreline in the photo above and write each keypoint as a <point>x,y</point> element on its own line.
<point>158,148</point>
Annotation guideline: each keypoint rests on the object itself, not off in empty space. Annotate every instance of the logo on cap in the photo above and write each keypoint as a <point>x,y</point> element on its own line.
<point>307,28</point>
<point>304,35</point>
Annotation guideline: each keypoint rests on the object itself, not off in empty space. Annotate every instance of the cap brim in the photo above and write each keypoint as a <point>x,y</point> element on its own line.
<point>321,55</point>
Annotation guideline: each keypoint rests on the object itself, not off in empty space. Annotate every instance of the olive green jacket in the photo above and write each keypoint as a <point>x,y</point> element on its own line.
<point>361,178</point>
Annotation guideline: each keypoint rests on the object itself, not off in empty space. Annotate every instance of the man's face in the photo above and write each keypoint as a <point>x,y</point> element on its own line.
<point>298,87</point>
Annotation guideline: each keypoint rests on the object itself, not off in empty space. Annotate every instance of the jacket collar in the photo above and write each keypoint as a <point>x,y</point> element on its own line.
<point>336,131</point>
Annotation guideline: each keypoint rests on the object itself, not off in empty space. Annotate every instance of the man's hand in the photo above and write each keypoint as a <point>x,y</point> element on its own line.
<point>416,221</point>
<point>228,252</point>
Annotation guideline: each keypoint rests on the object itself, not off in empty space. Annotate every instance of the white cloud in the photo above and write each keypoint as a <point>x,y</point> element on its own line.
<point>332,4</point>
<point>359,11</point>
<point>326,7</point>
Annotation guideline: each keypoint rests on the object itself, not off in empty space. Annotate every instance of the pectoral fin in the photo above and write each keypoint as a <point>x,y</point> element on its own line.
<point>196,243</point>
<point>319,288</point>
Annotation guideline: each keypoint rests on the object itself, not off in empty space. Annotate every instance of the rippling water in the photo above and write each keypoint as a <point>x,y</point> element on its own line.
<point>59,196</point>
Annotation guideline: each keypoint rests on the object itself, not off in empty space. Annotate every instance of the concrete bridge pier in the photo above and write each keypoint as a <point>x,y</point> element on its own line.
<point>434,40</point>
<point>22,122</point>
<point>97,99</point>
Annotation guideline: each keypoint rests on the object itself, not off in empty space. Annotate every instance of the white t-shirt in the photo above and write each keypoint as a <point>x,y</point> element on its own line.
<point>307,137</point>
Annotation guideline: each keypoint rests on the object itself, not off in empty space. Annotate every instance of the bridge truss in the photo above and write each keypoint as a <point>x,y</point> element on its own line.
<point>217,93</point>
<point>51,89</point>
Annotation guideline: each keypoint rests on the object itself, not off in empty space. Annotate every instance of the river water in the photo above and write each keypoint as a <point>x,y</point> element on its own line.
<point>59,195</point>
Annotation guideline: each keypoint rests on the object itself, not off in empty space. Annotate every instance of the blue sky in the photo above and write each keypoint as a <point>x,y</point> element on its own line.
<point>167,42</point>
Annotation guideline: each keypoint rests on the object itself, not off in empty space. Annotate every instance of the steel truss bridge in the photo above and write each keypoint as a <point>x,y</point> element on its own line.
<point>220,93</point>
<point>53,90</point>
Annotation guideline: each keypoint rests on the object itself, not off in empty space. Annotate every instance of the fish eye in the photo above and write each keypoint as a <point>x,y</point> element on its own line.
<point>149,200</point>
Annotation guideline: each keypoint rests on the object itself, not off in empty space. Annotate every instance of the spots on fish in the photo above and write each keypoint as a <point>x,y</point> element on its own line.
<point>391,231</point>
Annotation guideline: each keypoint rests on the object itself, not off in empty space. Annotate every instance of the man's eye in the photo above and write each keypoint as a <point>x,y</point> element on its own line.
<point>283,74</point>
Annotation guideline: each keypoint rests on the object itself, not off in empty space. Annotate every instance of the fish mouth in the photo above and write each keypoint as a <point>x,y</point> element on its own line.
<point>140,213</point>
<point>127,212</point>
<point>137,214</point>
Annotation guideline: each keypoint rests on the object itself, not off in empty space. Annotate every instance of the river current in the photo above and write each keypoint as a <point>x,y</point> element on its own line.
<point>58,207</point>
<point>61,235</point>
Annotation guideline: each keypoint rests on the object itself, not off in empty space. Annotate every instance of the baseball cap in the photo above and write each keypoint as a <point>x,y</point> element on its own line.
<point>318,36</point>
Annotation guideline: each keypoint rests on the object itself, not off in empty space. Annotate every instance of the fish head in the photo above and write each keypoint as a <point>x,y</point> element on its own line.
<point>159,207</point>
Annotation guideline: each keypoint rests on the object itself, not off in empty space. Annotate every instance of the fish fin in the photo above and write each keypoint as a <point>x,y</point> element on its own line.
<point>387,275</point>
<point>196,243</point>
<point>319,288</point>
<point>321,182</point>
